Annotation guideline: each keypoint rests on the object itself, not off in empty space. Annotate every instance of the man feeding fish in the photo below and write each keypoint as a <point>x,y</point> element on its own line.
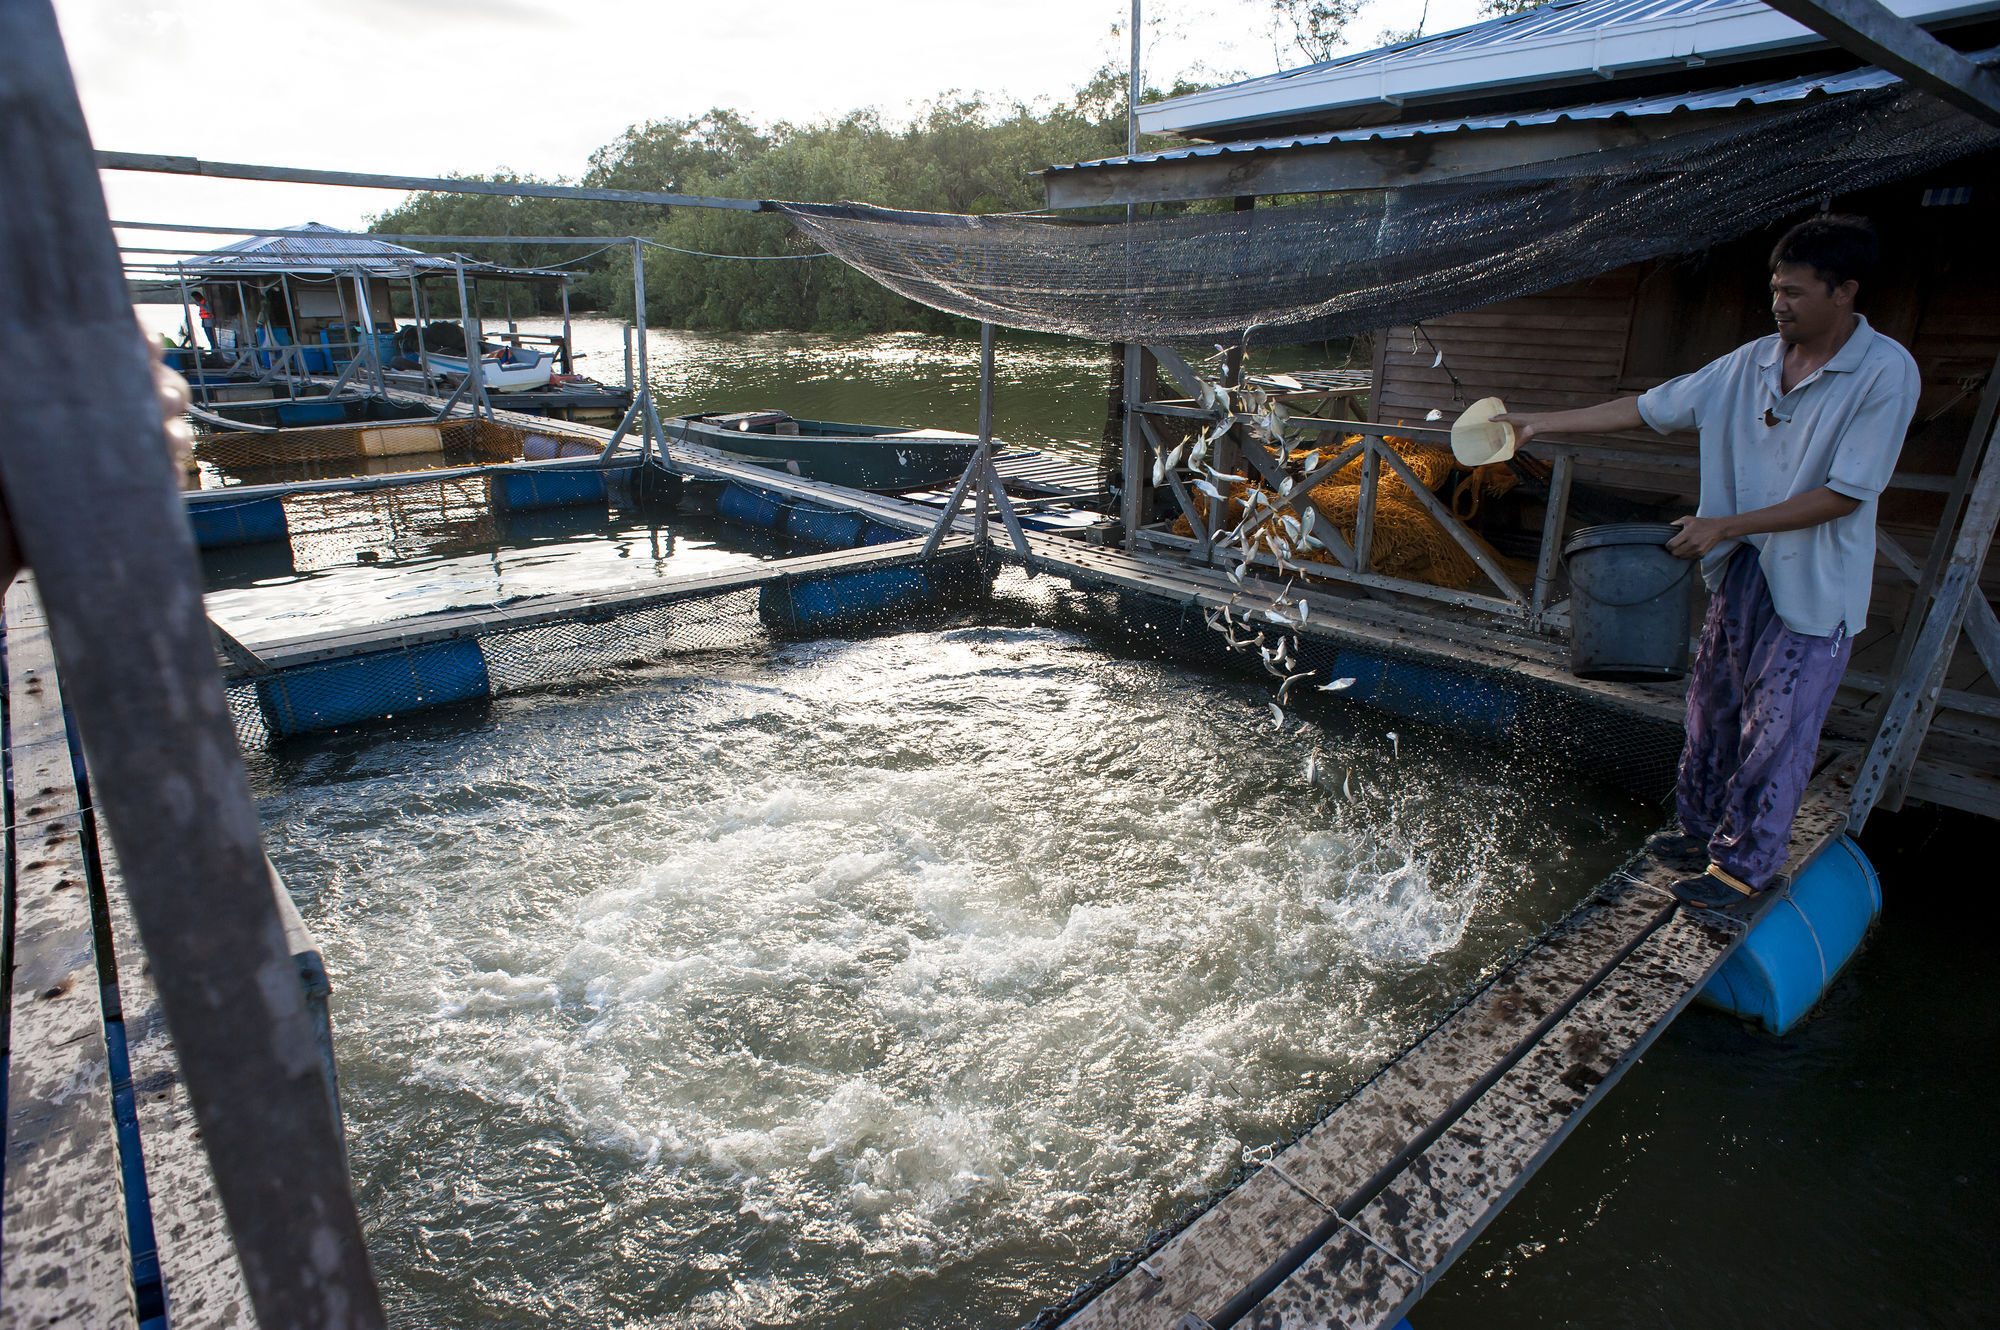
<point>1800,432</point>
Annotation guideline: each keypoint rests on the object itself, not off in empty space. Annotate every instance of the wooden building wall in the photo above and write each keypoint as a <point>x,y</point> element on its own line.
<point>1938,293</point>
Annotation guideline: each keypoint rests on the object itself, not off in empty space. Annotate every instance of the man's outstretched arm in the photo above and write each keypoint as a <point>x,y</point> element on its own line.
<point>1621,413</point>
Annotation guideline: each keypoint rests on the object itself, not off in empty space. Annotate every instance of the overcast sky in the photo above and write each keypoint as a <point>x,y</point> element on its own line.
<point>369,85</point>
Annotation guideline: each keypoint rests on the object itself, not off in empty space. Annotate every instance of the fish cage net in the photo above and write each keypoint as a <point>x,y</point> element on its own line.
<point>1359,260</point>
<point>406,678</point>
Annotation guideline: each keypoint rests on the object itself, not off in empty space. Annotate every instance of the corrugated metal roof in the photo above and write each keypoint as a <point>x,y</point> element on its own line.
<point>314,246</point>
<point>1771,92</point>
<point>1565,41</point>
<point>1548,20</point>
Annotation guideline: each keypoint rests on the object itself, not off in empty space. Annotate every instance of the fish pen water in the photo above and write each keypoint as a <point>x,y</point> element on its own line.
<point>900,978</point>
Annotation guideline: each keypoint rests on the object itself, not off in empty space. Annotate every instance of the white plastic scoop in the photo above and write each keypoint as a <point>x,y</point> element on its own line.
<point>1477,439</point>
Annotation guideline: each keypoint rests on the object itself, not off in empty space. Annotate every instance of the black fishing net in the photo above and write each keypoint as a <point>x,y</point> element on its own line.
<point>1351,262</point>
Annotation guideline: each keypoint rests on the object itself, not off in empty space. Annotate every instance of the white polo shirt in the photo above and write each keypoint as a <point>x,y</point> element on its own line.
<point>1841,427</point>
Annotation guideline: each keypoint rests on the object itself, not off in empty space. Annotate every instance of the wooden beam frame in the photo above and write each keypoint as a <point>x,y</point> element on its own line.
<point>1883,38</point>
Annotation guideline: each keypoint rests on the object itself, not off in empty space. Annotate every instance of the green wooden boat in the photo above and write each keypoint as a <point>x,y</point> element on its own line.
<point>889,459</point>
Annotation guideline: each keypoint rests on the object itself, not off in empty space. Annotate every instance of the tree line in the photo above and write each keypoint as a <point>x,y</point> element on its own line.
<point>962,154</point>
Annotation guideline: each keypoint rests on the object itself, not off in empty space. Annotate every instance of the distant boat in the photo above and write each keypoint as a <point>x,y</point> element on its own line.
<point>890,459</point>
<point>514,370</point>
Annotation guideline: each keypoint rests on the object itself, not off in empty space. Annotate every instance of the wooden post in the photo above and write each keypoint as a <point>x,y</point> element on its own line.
<point>1552,529</point>
<point>96,510</point>
<point>1364,513</point>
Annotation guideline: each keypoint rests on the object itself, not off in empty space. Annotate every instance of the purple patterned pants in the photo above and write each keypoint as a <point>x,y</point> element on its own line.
<point>1757,697</point>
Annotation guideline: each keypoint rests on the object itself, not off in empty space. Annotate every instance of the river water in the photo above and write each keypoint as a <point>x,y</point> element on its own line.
<point>902,980</point>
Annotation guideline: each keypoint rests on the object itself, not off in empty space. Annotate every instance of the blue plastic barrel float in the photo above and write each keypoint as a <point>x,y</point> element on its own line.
<point>253,522</point>
<point>515,491</point>
<point>1425,692</point>
<point>1792,956</point>
<point>870,594</point>
<point>750,507</point>
<point>331,693</point>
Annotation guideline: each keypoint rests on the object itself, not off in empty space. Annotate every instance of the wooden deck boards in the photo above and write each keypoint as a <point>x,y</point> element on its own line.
<point>64,1255</point>
<point>64,1240</point>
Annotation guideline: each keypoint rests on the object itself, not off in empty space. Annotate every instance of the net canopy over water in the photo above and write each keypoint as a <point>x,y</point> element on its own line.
<point>895,981</point>
<point>1348,263</point>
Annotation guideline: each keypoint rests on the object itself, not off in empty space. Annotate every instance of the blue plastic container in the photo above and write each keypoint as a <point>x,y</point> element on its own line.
<point>312,413</point>
<point>740,504</point>
<point>1423,692</point>
<point>343,692</point>
<point>1794,953</point>
<point>516,490</point>
<point>252,523</point>
<point>824,525</point>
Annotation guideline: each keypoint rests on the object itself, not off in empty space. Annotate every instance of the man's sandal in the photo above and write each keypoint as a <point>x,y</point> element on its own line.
<point>1677,849</point>
<point>1717,891</point>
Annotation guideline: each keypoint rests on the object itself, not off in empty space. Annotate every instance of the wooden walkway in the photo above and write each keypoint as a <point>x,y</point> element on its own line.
<point>99,1224</point>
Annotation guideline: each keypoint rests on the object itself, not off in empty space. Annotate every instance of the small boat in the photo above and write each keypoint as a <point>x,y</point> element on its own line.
<point>508,370</point>
<point>889,459</point>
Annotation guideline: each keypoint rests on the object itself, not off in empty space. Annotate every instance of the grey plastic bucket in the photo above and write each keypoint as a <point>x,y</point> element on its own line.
<point>1630,603</point>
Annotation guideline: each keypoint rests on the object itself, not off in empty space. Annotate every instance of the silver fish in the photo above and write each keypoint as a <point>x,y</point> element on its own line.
<point>1291,680</point>
<point>1277,716</point>
<point>1337,686</point>
<point>1395,744</point>
<point>1312,769</point>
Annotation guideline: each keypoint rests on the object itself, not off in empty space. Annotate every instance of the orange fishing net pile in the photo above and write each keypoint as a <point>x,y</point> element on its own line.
<point>1407,543</point>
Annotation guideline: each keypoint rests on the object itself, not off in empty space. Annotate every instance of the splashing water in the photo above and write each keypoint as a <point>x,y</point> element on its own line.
<point>894,981</point>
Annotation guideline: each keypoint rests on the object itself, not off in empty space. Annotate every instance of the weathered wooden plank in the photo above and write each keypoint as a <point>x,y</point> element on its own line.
<point>204,1281</point>
<point>64,1254</point>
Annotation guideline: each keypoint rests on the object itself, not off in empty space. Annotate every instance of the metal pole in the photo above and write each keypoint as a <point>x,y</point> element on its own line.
<point>187,313</point>
<point>417,317</point>
<point>368,329</point>
<point>625,336</point>
<point>979,531</point>
<point>244,332</point>
<point>639,322</point>
<point>292,323</point>
<point>1132,95</point>
<point>568,357</point>
<point>468,323</point>
<point>341,296</point>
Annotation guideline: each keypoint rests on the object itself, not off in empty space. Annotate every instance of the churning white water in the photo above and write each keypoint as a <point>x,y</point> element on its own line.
<point>896,981</point>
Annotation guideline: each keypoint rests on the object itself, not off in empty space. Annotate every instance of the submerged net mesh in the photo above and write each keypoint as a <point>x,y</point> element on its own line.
<point>1356,261</point>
